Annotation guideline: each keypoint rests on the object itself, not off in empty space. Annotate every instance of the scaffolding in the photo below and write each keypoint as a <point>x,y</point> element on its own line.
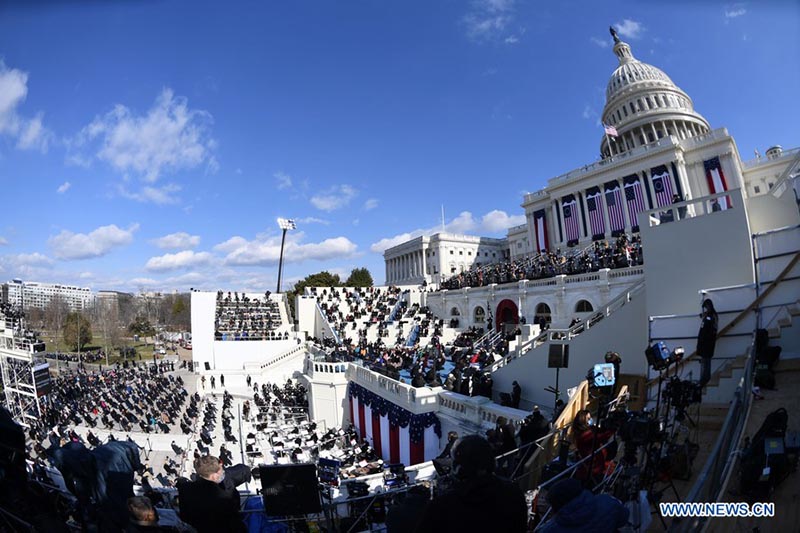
<point>19,357</point>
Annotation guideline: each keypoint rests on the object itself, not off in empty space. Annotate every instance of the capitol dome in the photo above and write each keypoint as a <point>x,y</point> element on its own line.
<point>644,105</point>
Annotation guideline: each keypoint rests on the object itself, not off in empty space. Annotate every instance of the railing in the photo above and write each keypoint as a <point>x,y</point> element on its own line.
<point>326,322</point>
<point>477,410</point>
<point>666,142</point>
<point>741,316</point>
<point>717,134</point>
<point>547,449</point>
<point>718,466</point>
<point>416,400</point>
<point>693,208</point>
<point>413,336</point>
<point>283,356</point>
<point>569,333</point>
<point>751,163</point>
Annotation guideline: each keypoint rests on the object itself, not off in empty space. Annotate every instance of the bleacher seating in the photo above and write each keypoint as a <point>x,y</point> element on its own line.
<point>239,317</point>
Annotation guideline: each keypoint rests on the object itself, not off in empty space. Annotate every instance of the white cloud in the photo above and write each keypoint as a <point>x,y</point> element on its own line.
<point>3,241</point>
<point>488,20</point>
<point>177,241</point>
<point>334,198</point>
<point>68,245</point>
<point>495,221</point>
<point>370,204</point>
<point>313,220</point>
<point>629,28</point>
<point>734,11</point>
<point>29,266</point>
<point>602,43</point>
<point>163,195</point>
<point>184,259</point>
<point>64,187</point>
<point>169,137</point>
<point>86,275</point>
<point>284,180</point>
<point>29,133</point>
<point>265,250</point>
<point>34,259</point>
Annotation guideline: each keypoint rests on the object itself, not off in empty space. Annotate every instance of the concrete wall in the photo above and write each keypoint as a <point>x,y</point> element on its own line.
<point>203,308</point>
<point>767,212</point>
<point>625,331</point>
<point>686,256</point>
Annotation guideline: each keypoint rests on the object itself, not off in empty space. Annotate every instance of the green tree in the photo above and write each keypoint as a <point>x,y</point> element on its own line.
<point>77,331</point>
<point>320,279</point>
<point>142,327</point>
<point>359,277</point>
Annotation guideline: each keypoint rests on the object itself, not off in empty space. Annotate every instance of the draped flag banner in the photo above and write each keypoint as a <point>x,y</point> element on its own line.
<point>569,206</point>
<point>634,199</point>
<point>616,217</point>
<point>540,228</point>
<point>662,185</point>
<point>594,205</point>
<point>716,181</point>
<point>396,434</point>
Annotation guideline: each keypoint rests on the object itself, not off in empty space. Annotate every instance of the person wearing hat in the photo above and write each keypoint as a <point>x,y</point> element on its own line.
<point>577,509</point>
<point>479,500</point>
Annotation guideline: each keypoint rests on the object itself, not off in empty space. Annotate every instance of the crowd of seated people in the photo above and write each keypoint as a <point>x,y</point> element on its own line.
<point>126,399</point>
<point>348,308</point>
<point>239,317</point>
<point>625,252</point>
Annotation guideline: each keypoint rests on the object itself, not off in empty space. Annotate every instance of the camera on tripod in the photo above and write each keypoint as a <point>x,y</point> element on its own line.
<point>682,393</point>
<point>635,428</point>
<point>660,357</point>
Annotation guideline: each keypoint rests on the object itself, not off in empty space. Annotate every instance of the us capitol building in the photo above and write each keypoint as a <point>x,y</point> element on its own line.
<point>658,150</point>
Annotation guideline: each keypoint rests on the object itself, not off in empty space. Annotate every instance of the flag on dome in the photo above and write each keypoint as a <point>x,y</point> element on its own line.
<point>634,199</point>
<point>662,185</point>
<point>570,219</point>
<point>594,205</point>
<point>616,217</point>
<point>610,130</point>
<point>716,181</point>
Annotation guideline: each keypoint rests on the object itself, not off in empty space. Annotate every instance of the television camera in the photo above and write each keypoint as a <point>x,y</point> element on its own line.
<point>660,357</point>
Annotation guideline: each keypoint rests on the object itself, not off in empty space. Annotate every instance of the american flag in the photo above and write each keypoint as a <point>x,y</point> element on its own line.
<point>610,130</point>
<point>634,199</point>
<point>614,203</point>
<point>540,229</point>
<point>570,219</point>
<point>662,185</point>
<point>594,205</point>
<point>716,181</point>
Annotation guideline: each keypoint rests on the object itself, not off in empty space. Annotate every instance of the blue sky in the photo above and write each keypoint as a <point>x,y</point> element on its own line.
<point>152,144</point>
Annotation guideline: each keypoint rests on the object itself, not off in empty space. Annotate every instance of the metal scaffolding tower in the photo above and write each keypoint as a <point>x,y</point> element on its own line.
<point>19,358</point>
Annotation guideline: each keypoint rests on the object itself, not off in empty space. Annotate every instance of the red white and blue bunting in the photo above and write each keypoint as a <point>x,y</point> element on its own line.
<point>397,434</point>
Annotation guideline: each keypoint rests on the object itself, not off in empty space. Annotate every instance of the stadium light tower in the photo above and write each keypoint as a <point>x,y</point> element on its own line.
<point>285,224</point>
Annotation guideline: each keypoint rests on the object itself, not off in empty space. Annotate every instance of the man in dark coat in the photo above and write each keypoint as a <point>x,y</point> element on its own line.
<point>578,509</point>
<point>208,504</point>
<point>479,500</point>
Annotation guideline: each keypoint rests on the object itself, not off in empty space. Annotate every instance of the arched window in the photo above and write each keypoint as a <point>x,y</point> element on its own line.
<point>543,314</point>
<point>583,306</point>
<point>455,312</point>
<point>479,315</point>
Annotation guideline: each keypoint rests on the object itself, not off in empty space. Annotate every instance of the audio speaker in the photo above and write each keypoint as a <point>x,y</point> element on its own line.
<point>558,357</point>
<point>290,490</point>
<point>208,365</point>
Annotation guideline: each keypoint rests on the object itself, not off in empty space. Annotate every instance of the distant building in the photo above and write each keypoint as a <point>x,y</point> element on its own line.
<point>440,256</point>
<point>33,294</point>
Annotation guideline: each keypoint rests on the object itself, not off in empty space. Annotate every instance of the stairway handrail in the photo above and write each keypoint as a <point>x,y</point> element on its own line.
<point>733,323</point>
<point>779,188</point>
<point>616,303</point>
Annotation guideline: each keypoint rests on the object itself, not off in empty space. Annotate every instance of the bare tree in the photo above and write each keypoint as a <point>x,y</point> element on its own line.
<point>55,314</point>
